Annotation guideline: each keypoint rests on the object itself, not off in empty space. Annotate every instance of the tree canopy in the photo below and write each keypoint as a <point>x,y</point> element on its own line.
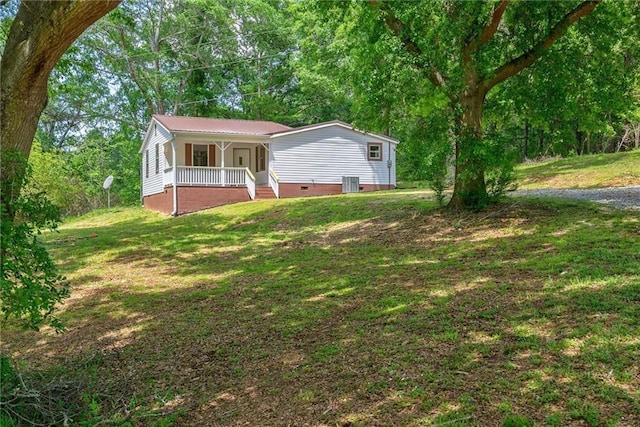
<point>440,76</point>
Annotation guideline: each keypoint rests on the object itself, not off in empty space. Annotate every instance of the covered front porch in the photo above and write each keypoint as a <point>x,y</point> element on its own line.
<point>206,163</point>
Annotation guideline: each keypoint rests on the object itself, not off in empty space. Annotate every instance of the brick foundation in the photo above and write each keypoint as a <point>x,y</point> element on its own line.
<point>162,202</point>
<point>304,189</point>
<point>191,199</point>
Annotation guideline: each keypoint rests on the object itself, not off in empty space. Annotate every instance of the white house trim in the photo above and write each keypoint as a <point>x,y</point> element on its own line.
<point>330,124</point>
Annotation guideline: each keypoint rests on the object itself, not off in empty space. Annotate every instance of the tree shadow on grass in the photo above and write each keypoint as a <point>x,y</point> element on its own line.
<point>399,317</point>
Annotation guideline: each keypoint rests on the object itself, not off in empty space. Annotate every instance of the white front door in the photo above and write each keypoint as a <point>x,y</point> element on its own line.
<point>242,158</point>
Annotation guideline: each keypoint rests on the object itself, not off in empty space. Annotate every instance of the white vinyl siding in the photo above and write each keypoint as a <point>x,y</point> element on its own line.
<point>325,155</point>
<point>155,182</point>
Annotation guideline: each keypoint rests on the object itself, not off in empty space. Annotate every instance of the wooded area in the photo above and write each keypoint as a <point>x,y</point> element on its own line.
<point>420,71</point>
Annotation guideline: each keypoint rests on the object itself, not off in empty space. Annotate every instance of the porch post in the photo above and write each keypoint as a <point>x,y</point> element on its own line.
<point>222,171</point>
<point>175,175</point>
<point>267,154</point>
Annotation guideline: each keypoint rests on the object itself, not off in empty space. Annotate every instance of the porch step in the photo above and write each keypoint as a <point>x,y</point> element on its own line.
<point>264,193</point>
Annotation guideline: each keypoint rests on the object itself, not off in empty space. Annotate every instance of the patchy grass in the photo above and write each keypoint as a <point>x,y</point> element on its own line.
<point>367,309</point>
<point>590,171</point>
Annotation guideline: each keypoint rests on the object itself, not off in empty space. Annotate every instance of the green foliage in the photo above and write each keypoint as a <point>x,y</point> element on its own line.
<point>31,286</point>
<point>8,375</point>
<point>305,62</point>
<point>97,157</point>
<point>514,420</point>
<point>425,154</point>
<point>408,73</point>
<point>73,179</point>
<point>499,156</point>
<point>8,382</point>
<point>569,102</point>
<point>50,175</point>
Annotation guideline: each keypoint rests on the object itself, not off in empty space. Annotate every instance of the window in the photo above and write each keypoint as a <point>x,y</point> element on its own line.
<point>261,158</point>
<point>374,151</point>
<point>146,163</point>
<point>157,159</point>
<point>200,155</point>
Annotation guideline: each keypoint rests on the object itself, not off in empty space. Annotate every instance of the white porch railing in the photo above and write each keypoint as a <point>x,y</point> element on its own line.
<point>214,177</point>
<point>201,175</point>
<point>273,183</point>
<point>251,183</point>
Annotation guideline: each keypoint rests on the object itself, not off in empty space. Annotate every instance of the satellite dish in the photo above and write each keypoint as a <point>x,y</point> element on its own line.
<point>107,182</point>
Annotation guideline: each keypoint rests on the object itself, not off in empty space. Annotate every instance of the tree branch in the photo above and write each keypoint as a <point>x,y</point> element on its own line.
<point>133,74</point>
<point>523,61</point>
<point>472,46</point>
<point>432,72</point>
<point>489,30</point>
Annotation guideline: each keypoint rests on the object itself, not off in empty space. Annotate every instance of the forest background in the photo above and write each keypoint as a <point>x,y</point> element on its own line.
<point>298,63</point>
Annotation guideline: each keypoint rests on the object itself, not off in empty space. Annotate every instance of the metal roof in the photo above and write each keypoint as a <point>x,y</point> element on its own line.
<point>219,126</point>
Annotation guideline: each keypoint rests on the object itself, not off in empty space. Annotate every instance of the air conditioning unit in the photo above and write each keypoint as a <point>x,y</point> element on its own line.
<point>350,184</point>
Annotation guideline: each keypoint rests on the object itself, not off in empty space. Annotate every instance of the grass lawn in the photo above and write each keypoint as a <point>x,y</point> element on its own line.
<point>358,310</point>
<point>597,170</point>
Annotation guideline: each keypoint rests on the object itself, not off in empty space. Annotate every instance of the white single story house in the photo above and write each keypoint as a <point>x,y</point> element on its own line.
<point>193,163</point>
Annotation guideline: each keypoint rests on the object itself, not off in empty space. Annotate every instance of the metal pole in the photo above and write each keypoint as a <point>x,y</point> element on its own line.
<point>109,198</point>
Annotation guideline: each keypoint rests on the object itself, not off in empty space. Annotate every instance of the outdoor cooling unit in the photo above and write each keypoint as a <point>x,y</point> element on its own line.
<point>350,184</point>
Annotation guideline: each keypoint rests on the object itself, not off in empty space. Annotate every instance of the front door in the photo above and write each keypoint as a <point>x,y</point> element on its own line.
<point>242,158</point>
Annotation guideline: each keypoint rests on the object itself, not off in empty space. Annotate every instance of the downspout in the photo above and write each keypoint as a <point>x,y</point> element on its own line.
<point>142,181</point>
<point>390,164</point>
<point>175,175</point>
<point>222,171</point>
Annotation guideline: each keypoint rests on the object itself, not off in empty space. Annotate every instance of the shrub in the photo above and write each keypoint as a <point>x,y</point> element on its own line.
<point>30,285</point>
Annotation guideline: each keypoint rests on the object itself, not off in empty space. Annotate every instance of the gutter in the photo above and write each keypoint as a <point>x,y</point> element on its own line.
<point>142,181</point>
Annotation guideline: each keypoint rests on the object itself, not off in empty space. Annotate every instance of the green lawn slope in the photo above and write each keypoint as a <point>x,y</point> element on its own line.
<point>590,171</point>
<point>353,310</point>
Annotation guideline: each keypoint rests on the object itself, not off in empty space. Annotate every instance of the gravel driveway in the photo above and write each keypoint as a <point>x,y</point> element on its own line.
<point>620,197</point>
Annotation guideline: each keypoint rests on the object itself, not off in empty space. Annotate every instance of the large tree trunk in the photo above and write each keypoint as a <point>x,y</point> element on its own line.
<point>40,33</point>
<point>470,190</point>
